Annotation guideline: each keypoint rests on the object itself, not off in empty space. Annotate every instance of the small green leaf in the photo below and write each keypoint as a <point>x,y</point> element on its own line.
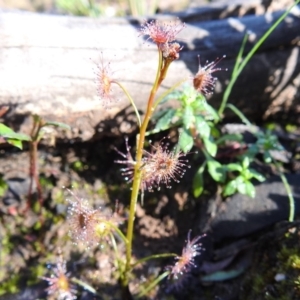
<point>18,136</point>
<point>16,143</point>
<point>230,188</point>
<point>174,95</point>
<point>3,186</point>
<point>199,104</point>
<point>210,146</point>
<point>257,175</point>
<point>186,141</point>
<point>159,114</point>
<point>216,170</point>
<point>246,174</point>
<point>188,117</point>
<point>234,167</point>
<point>8,133</point>
<point>211,113</point>
<point>252,151</point>
<point>214,131</point>
<point>267,157</point>
<point>4,129</point>
<point>230,137</point>
<point>241,185</point>
<point>222,275</point>
<point>245,162</point>
<point>58,124</point>
<point>198,184</point>
<point>165,120</point>
<point>12,137</point>
<point>202,127</point>
<point>250,189</point>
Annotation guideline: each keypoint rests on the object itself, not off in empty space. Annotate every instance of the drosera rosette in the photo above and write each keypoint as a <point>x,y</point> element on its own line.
<point>181,270</point>
<point>128,161</point>
<point>203,81</point>
<point>161,33</point>
<point>60,286</point>
<point>110,222</point>
<point>90,226</point>
<point>164,34</point>
<point>104,81</point>
<point>159,167</point>
<point>170,51</point>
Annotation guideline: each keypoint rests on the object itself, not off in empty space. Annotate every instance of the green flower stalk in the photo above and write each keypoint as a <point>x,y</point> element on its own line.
<point>164,36</point>
<point>159,166</point>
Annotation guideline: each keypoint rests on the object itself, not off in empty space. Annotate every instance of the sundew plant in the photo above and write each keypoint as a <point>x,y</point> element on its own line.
<point>146,170</point>
<point>149,168</point>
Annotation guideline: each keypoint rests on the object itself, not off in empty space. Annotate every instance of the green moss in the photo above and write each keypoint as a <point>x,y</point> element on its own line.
<point>45,182</point>
<point>102,191</point>
<point>36,272</point>
<point>11,285</point>
<point>294,261</point>
<point>3,186</point>
<point>273,257</point>
<point>59,196</point>
<point>290,128</point>
<point>78,166</point>
<point>270,126</point>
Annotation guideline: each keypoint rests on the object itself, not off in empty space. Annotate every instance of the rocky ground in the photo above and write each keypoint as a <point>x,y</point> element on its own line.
<point>236,229</point>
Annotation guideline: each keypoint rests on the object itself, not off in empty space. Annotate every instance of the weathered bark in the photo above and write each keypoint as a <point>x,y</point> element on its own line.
<point>48,65</point>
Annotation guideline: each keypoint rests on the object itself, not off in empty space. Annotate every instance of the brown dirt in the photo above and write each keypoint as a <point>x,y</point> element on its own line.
<point>34,237</point>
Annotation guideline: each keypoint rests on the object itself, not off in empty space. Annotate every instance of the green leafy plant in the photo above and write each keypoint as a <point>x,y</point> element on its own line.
<point>199,126</point>
<point>147,170</point>
<point>80,7</point>
<point>11,137</point>
<point>33,139</point>
<point>7,135</point>
<point>242,182</point>
<point>142,7</point>
<point>94,8</point>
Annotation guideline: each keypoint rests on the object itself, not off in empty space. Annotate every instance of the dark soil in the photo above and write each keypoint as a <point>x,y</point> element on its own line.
<point>32,237</point>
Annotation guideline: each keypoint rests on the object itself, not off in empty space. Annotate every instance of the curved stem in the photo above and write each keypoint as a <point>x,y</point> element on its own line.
<point>153,284</point>
<point>33,161</point>
<point>248,57</point>
<point>85,285</point>
<point>239,114</point>
<point>154,256</point>
<point>117,256</point>
<point>233,77</point>
<point>288,191</point>
<point>167,92</point>
<point>130,100</point>
<point>137,171</point>
<point>119,232</point>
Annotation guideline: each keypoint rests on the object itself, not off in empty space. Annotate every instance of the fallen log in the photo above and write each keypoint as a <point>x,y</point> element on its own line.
<point>48,65</point>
